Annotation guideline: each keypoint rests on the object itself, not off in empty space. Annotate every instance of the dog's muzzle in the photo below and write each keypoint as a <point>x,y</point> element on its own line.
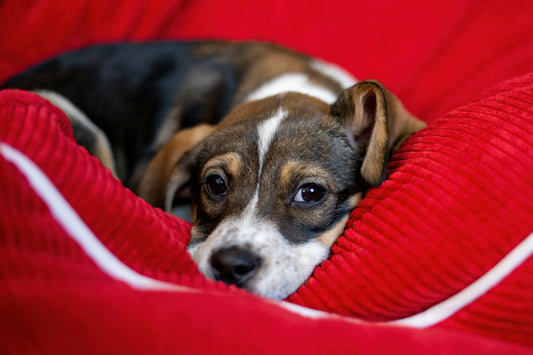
<point>234,265</point>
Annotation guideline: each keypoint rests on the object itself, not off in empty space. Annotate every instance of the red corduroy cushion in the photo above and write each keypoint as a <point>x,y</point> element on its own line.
<point>56,297</point>
<point>457,200</point>
<point>33,125</point>
<point>455,203</point>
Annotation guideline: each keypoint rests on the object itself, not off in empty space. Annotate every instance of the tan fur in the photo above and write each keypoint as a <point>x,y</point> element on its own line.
<point>230,165</point>
<point>230,161</point>
<point>375,157</point>
<point>294,167</point>
<point>153,186</point>
<point>331,236</point>
<point>327,239</point>
<point>389,122</point>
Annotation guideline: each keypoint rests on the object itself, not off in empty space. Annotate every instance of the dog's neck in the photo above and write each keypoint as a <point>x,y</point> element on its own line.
<point>303,83</point>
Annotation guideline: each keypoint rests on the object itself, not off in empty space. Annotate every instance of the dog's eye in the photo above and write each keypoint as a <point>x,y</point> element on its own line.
<point>216,185</point>
<point>309,193</point>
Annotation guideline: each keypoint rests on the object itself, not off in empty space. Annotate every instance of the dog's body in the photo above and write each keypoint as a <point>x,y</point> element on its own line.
<point>272,148</point>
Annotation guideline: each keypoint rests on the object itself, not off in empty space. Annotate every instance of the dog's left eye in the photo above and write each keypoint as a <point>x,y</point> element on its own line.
<point>309,193</point>
<point>216,185</point>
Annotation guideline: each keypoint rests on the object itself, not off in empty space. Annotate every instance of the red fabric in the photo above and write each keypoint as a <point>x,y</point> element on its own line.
<point>53,298</point>
<point>457,199</point>
<point>434,56</point>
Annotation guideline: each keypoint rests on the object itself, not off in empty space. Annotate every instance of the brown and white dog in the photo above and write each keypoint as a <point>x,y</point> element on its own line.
<point>272,149</point>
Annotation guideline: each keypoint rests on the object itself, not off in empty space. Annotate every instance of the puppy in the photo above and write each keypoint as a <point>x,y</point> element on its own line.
<point>271,149</point>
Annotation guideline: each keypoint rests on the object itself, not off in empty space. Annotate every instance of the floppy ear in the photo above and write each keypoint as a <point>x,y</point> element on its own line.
<point>376,123</point>
<point>169,172</point>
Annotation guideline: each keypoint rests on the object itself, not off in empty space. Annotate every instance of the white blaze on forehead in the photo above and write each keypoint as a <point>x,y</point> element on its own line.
<point>292,82</point>
<point>265,132</point>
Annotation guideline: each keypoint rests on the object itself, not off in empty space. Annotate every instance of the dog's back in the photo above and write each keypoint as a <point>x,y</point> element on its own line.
<point>140,94</point>
<point>127,90</point>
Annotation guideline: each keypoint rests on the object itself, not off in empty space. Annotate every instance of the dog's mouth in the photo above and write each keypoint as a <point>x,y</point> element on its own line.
<point>257,258</point>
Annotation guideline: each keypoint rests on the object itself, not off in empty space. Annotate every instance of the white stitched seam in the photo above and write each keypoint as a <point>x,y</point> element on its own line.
<point>475,290</point>
<point>74,226</point>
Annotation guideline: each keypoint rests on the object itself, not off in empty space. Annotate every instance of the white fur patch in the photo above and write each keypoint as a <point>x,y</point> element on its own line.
<point>284,266</point>
<point>292,82</point>
<point>266,131</point>
<point>344,78</point>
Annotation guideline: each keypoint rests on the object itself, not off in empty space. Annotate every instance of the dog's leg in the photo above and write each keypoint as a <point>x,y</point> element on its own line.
<point>86,133</point>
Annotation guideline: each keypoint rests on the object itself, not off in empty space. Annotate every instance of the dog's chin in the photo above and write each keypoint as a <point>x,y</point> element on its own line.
<point>284,266</point>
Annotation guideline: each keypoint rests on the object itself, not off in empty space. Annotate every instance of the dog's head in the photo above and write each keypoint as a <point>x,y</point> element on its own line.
<point>273,184</point>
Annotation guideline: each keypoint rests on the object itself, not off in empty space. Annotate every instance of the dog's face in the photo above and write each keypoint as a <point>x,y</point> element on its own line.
<point>274,189</point>
<point>273,185</point>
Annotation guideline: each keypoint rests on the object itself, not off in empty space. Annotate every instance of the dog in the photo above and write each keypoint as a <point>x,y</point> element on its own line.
<point>271,149</point>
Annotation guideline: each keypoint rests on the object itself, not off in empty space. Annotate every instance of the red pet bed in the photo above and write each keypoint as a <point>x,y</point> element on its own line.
<point>437,258</point>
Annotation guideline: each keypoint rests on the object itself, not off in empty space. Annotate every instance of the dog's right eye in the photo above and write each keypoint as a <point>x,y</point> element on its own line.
<point>216,185</point>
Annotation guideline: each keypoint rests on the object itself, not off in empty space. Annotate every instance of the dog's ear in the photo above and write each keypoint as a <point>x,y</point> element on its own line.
<point>376,123</point>
<point>169,172</point>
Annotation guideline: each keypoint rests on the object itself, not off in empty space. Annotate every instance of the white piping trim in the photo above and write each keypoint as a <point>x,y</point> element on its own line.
<point>450,306</point>
<point>70,221</point>
<point>311,313</point>
<point>472,292</point>
<point>74,226</point>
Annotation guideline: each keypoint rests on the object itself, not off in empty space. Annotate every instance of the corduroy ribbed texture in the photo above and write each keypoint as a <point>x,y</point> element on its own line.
<point>55,299</point>
<point>147,239</point>
<point>457,200</point>
<point>455,203</point>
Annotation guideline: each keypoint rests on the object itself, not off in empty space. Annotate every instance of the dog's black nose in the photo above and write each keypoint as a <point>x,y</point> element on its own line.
<point>234,265</point>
